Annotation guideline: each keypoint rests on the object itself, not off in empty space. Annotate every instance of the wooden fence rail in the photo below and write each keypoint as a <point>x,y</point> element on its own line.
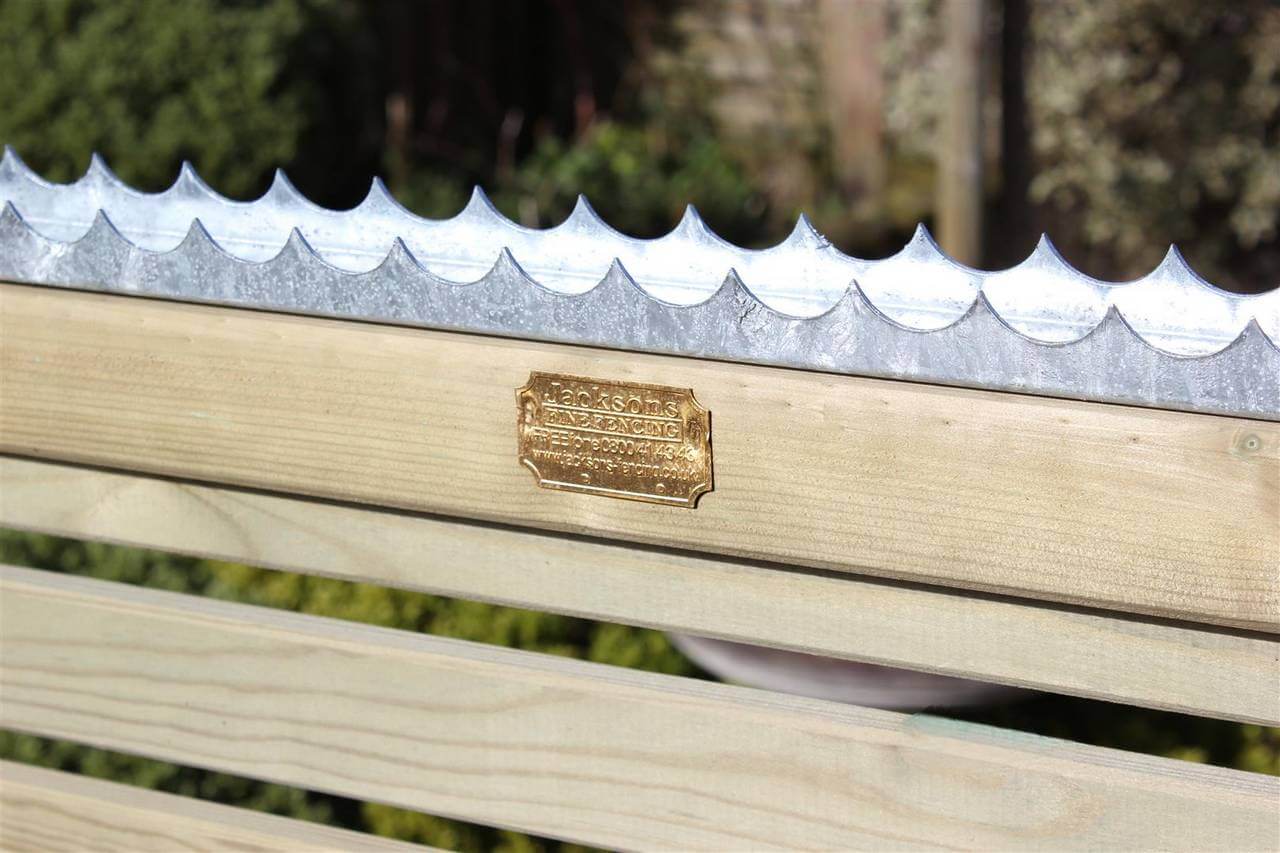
<point>1145,511</point>
<point>46,810</point>
<point>1184,666</point>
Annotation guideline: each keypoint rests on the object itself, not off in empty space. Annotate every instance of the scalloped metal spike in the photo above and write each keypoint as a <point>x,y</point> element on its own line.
<point>480,209</point>
<point>1168,339</point>
<point>693,226</point>
<point>378,201</point>
<point>10,161</point>
<point>283,192</point>
<point>804,235</point>
<point>583,216</point>
<point>100,173</point>
<point>190,183</point>
<point>1174,266</point>
<point>1047,299</point>
<point>891,285</point>
<point>1047,253</point>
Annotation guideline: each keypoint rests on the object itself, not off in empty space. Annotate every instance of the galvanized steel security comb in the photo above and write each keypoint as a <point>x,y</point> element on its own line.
<point>1168,340</point>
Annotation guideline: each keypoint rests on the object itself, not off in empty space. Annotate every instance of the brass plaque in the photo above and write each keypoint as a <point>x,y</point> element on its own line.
<point>618,439</point>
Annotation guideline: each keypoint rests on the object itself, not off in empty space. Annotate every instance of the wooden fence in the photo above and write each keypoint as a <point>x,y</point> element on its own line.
<point>1090,549</point>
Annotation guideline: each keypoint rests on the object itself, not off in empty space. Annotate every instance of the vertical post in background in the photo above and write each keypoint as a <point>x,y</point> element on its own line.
<point>960,180</point>
<point>1015,216</point>
<point>402,93</point>
<point>852,39</point>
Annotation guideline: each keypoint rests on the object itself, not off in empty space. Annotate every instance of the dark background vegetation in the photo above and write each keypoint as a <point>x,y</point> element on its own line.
<point>1119,127</point>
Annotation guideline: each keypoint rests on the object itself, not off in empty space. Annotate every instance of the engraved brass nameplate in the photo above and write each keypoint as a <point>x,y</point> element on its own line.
<point>619,439</point>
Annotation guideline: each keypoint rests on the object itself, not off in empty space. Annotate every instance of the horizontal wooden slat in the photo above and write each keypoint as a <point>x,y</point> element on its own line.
<point>1149,511</point>
<point>46,811</point>
<point>1183,667</point>
<point>571,749</point>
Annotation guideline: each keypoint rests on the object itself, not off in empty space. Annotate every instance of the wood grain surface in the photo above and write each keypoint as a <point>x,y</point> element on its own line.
<point>1140,510</point>
<point>44,811</point>
<point>569,749</point>
<point>1198,669</point>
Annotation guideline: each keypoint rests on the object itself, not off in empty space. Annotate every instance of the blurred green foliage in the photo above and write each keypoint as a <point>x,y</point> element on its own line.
<point>1159,121</point>
<point>1168,128</point>
<point>1244,747</point>
<point>1150,121</point>
<point>235,87</point>
<point>639,178</point>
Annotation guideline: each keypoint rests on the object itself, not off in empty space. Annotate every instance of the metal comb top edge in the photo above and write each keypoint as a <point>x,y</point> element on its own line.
<point>1169,339</point>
